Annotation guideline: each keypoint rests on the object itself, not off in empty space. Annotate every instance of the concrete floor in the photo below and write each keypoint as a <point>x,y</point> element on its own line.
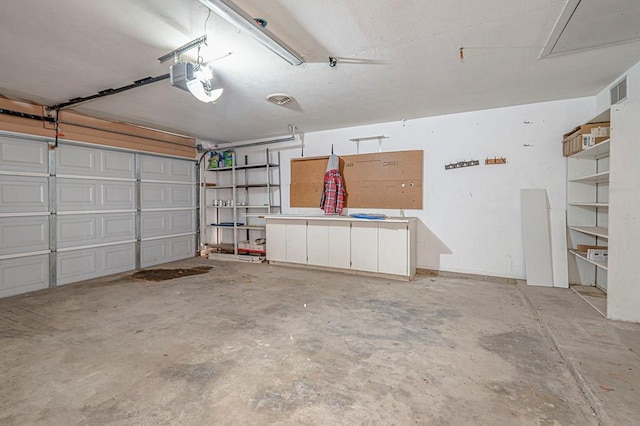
<point>257,344</point>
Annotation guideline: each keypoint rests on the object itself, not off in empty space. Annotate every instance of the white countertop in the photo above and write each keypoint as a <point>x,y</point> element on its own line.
<point>339,218</point>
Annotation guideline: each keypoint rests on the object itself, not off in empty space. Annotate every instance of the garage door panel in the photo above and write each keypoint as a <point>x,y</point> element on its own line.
<point>166,169</point>
<point>166,250</point>
<point>118,259</point>
<point>181,195</point>
<point>117,164</point>
<point>86,161</point>
<point>76,230</point>
<point>153,224</point>
<point>24,274</point>
<point>23,234</point>
<point>78,195</point>
<point>91,229</point>
<point>23,156</point>
<point>76,266</point>
<point>153,252</point>
<point>152,168</point>
<point>181,247</point>
<point>155,196</point>
<point>79,265</point>
<point>118,195</point>
<point>75,160</point>
<point>157,224</point>
<point>118,226</point>
<point>181,170</point>
<point>182,221</point>
<point>152,195</point>
<point>24,194</point>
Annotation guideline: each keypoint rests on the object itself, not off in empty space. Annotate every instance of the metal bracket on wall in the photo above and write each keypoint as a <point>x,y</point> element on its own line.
<point>12,113</point>
<point>461,164</point>
<point>379,138</point>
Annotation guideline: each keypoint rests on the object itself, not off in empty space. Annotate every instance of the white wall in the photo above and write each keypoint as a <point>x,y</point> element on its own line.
<point>471,219</point>
<point>623,290</point>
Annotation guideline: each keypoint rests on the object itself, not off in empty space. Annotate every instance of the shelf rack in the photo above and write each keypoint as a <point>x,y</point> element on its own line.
<point>588,212</point>
<point>235,183</point>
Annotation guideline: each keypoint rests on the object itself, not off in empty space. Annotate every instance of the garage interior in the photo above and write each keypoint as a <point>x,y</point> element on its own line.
<point>164,259</point>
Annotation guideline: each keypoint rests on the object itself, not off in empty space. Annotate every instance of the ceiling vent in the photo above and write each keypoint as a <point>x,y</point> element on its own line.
<point>619,91</point>
<point>280,98</point>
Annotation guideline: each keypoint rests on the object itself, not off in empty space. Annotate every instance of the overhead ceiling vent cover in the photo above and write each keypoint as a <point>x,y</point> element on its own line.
<point>619,91</point>
<point>280,98</point>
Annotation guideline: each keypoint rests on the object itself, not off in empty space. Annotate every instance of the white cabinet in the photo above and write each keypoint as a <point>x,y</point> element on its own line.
<point>339,245</point>
<point>328,244</point>
<point>372,247</point>
<point>277,238</point>
<point>364,246</point>
<point>393,248</point>
<point>296,241</point>
<point>287,241</point>
<point>318,243</point>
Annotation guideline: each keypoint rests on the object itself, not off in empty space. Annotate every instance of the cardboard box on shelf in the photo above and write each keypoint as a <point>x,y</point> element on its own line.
<point>584,136</point>
<point>582,248</point>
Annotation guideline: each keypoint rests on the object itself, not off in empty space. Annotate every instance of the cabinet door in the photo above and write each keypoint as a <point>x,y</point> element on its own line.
<point>318,242</point>
<point>393,248</point>
<point>340,245</point>
<point>296,241</point>
<point>276,240</point>
<point>364,246</point>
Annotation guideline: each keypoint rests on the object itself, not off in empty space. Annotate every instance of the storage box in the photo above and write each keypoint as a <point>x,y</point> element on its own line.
<point>253,246</point>
<point>598,255</point>
<point>584,136</point>
<point>582,248</point>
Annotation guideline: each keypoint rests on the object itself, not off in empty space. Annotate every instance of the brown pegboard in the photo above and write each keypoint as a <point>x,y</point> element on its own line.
<point>387,180</point>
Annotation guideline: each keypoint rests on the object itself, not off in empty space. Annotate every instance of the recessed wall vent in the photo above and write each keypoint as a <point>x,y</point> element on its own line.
<point>280,98</point>
<point>619,91</point>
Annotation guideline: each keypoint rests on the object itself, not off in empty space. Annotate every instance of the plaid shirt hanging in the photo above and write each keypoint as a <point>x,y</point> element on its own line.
<point>333,194</point>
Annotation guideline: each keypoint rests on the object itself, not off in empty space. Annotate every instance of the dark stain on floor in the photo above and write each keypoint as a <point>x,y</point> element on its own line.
<point>169,274</point>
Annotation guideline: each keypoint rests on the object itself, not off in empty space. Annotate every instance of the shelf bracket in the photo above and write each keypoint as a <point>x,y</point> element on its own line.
<point>379,138</point>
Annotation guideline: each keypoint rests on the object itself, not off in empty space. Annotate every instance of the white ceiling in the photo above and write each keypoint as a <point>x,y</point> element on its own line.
<point>398,59</point>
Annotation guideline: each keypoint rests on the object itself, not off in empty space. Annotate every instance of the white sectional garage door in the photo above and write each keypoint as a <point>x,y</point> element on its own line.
<point>24,215</point>
<point>168,209</point>
<point>78,212</point>
<point>96,209</point>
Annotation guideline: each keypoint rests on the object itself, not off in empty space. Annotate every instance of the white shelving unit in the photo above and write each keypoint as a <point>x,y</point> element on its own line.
<point>235,202</point>
<point>588,212</point>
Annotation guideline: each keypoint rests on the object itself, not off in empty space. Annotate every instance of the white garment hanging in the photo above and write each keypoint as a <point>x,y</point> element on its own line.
<point>333,162</point>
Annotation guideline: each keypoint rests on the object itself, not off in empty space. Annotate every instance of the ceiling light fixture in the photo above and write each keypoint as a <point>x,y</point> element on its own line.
<point>241,20</point>
<point>192,78</point>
